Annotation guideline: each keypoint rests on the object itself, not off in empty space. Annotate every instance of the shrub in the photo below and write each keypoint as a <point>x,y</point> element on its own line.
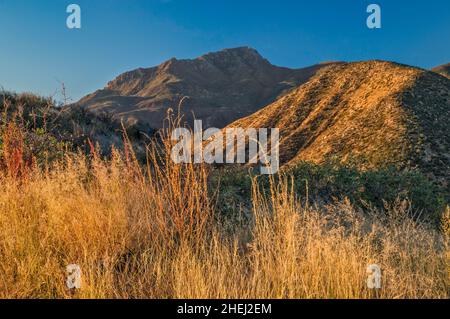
<point>321,184</point>
<point>376,188</point>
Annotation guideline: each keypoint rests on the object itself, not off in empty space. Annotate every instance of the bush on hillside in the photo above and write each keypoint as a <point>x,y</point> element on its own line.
<point>326,183</point>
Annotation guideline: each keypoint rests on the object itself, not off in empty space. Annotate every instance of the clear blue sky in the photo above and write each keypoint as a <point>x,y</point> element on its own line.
<point>37,49</point>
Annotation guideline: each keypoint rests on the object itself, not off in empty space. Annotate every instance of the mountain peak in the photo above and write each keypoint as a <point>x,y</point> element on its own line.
<point>235,56</point>
<point>238,51</point>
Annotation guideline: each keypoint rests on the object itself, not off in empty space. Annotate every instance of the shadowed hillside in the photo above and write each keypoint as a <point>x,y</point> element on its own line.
<point>220,87</point>
<point>373,113</point>
<point>46,130</point>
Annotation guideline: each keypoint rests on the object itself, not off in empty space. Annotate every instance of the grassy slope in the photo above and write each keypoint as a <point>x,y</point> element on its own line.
<point>155,232</point>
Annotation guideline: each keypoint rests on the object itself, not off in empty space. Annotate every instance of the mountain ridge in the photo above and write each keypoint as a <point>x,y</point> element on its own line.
<point>221,87</point>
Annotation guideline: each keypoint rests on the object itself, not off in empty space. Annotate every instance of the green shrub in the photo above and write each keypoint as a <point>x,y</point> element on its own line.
<point>321,184</point>
<point>374,188</point>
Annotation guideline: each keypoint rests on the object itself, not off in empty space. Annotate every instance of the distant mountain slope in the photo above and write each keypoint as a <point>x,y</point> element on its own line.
<point>443,69</point>
<point>49,129</point>
<point>378,113</point>
<point>221,86</point>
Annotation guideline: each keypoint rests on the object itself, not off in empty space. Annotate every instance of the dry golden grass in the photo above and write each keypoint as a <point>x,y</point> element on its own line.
<point>152,233</point>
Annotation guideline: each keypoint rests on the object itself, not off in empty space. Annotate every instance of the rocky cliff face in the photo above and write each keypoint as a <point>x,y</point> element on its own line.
<point>219,88</point>
<point>373,113</point>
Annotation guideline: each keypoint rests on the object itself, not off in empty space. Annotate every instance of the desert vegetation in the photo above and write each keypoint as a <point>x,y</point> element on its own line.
<point>155,229</point>
<point>371,114</point>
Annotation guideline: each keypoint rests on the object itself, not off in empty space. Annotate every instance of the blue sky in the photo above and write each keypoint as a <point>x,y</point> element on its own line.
<point>37,50</point>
